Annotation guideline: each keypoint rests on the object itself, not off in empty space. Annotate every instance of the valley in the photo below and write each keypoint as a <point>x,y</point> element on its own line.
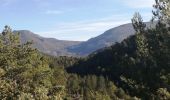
<point>127,62</point>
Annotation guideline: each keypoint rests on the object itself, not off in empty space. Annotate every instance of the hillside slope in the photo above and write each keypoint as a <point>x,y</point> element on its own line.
<point>49,46</point>
<point>75,48</point>
<point>140,67</point>
<point>106,39</point>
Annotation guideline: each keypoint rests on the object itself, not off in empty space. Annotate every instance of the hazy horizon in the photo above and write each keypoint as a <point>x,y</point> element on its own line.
<point>71,19</point>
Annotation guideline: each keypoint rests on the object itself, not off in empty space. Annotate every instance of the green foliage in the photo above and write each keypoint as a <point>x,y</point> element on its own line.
<point>141,40</point>
<point>163,94</point>
<point>138,24</point>
<point>27,74</point>
<point>161,11</point>
<point>24,72</point>
<point>88,89</point>
<point>137,67</point>
<point>139,64</point>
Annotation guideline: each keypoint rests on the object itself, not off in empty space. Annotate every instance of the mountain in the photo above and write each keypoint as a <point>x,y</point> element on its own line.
<point>139,64</point>
<point>49,46</point>
<point>56,47</point>
<point>106,39</point>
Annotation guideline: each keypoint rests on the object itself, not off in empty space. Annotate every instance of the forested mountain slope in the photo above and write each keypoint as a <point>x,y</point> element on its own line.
<point>106,39</point>
<point>49,46</point>
<point>139,64</point>
<point>26,74</point>
<point>137,68</point>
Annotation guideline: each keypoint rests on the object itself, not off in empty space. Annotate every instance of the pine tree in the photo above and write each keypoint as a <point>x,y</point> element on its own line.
<point>162,11</point>
<point>22,66</point>
<point>141,40</point>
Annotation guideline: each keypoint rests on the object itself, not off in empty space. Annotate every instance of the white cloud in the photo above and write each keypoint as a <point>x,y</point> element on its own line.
<point>84,30</point>
<point>138,3</point>
<point>53,12</point>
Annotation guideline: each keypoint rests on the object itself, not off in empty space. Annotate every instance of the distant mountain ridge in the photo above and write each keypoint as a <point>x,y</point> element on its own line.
<point>106,39</point>
<point>49,46</point>
<point>56,47</point>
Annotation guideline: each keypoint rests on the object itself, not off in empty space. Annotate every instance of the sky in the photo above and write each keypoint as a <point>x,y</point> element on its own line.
<point>77,20</point>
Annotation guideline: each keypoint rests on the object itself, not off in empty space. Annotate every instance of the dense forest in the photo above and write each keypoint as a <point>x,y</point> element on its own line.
<point>138,68</point>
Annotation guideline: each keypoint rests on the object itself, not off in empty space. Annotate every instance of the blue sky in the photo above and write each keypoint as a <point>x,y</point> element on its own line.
<point>76,20</point>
